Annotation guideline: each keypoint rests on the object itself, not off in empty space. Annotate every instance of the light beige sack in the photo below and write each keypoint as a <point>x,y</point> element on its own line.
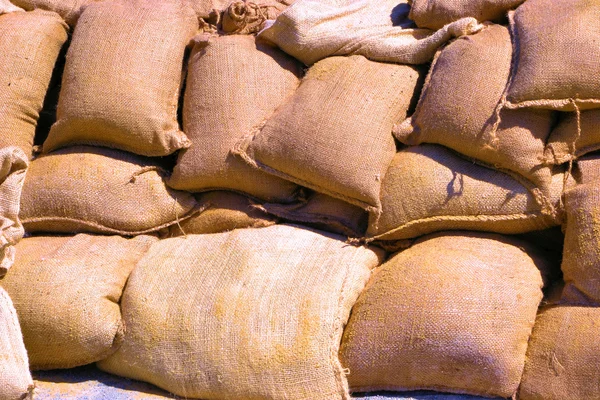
<point>234,83</point>
<point>221,212</point>
<point>556,55</point>
<point>429,188</point>
<point>69,10</point>
<point>249,314</point>
<point>88,189</point>
<point>587,169</point>
<point>328,137</point>
<point>458,105</point>
<point>7,7</point>
<point>434,14</point>
<point>13,167</point>
<point>66,291</point>
<point>29,46</point>
<point>15,379</point>
<point>121,83</point>
<point>563,357</point>
<point>453,313</point>
<point>572,139</point>
<point>312,30</point>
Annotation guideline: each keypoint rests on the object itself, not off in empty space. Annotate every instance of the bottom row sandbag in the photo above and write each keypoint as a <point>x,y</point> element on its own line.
<point>248,314</point>
<point>453,313</point>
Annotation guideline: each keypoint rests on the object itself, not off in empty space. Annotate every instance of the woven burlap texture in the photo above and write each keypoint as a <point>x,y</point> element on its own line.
<point>571,140</point>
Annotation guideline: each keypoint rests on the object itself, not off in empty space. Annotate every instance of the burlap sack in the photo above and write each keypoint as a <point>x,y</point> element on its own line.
<point>29,46</point>
<point>69,10</point>
<point>587,169</point>
<point>249,314</point>
<point>66,291</point>
<point>312,30</point>
<point>458,105</point>
<point>234,83</point>
<point>322,212</point>
<point>563,357</point>
<point>434,14</point>
<point>87,189</point>
<point>8,7</point>
<point>247,17</point>
<point>571,140</point>
<point>122,78</point>
<point>13,167</point>
<point>453,313</point>
<point>556,61</point>
<point>334,134</point>
<point>15,380</point>
<point>222,211</point>
<point>428,188</point>
<point>581,254</point>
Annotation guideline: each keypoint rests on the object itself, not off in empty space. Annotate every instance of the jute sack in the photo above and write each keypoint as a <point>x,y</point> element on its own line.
<point>327,137</point>
<point>122,78</point>
<point>13,167</point>
<point>233,84</point>
<point>249,314</point>
<point>543,33</point>
<point>8,7</point>
<point>87,189</point>
<point>434,14</point>
<point>246,17</point>
<point>222,211</point>
<point>69,10</point>
<point>322,212</point>
<point>581,254</point>
<point>453,313</point>
<point>458,105</point>
<point>572,139</point>
<point>15,379</point>
<point>587,169</point>
<point>428,188</point>
<point>563,357</point>
<point>66,291</point>
<point>312,30</point>
<point>29,46</point>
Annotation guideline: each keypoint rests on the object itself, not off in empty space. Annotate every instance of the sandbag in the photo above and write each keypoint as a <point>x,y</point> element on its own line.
<point>434,14</point>
<point>249,314</point>
<point>563,355</point>
<point>248,81</point>
<point>69,10</point>
<point>66,291</point>
<point>98,190</point>
<point>312,30</point>
<point>221,212</point>
<point>587,169</point>
<point>328,138</point>
<point>322,212</point>
<point>8,7</point>
<point>13,167</point>
<point>457,109</point>
<point>543,34</point>
<point>453,313</point>
<point>15,379</point>
<point>572,139</point>
<point>122,77</point>
<point>429,188</point>
<point>29,46</point>
<point>247,17</point>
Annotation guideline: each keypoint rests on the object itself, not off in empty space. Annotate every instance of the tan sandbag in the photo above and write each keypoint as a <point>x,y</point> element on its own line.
<point>563,357</point>
<point>557,52</point>
<point>571,140</point>
<point>249,314</point>
<point>29,46</point>
<point>122,77</point>
<point>457,109</point>
<point>328,137</point>
<point>93,189</point>
<point>434,14</point>
<point>7,7</point>
<point>221,212</point>
<point>322,212</point>
<point>66,291</point>
<point>69,10</point>
<point>453,313</point>
<point>429,188</point>
<point>587,169</point>
<point>248,17</point>
<point>234,83</point>
<point>13,167</point>
<point>15,379</point>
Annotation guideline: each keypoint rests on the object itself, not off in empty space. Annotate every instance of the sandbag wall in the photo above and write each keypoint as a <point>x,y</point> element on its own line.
<point>274,200</point>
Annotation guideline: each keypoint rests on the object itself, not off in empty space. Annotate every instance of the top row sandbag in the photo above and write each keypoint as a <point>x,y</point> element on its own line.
<point>122,77</point>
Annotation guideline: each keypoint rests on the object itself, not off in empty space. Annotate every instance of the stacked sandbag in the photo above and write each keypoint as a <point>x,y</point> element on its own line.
<point>66,291</point>
<point>69,10</point>
<point>452,313</point>
<point>245,314</point>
